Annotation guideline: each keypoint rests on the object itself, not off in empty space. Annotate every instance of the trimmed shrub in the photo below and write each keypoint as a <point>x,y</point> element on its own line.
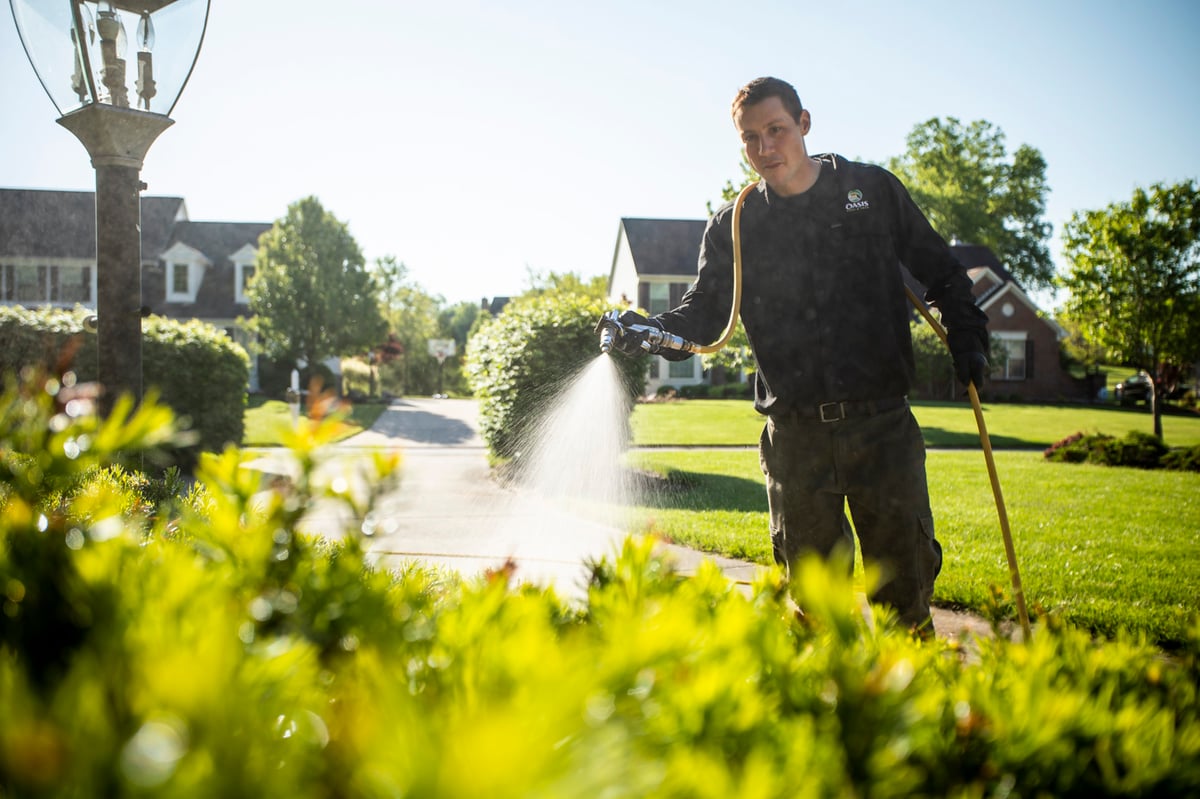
<point>1183,460</point>
<point>1075,448</point>
<point>519,361</point>
<point>1139,450</point>
<point>200,372</point>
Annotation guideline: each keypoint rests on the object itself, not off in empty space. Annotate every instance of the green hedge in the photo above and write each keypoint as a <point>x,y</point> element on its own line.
<point>198,370</point>
<point>520,361</point>
<point>206,648</point>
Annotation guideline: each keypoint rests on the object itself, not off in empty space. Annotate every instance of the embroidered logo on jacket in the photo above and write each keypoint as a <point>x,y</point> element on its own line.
<point>855,201</point>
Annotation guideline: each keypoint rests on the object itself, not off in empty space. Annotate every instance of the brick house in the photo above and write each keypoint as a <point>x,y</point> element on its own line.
<point>654,263</point>
<point>190,270</point>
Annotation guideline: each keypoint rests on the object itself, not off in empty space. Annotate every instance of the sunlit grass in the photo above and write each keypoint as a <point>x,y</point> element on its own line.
<point>945,424</point>
<point>1105,547</point>
<point>265,418</point>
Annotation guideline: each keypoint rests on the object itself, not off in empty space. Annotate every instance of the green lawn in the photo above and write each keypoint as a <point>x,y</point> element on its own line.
<point>1104,547</point>
<point>734,422</point>
<point>265,418</point>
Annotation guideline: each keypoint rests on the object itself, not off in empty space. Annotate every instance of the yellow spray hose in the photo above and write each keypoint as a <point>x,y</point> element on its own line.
<point>736,307</point>
<point>984,440</point>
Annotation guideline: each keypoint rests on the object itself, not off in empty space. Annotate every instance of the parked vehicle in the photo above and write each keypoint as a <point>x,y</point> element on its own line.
<point>1136,388</point>
<point>1133,389</point>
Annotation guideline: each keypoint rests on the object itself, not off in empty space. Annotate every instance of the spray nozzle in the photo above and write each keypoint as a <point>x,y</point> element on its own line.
<point>609,327</point>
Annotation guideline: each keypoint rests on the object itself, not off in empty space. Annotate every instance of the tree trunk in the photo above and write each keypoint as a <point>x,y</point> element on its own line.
<point>1156,409</point>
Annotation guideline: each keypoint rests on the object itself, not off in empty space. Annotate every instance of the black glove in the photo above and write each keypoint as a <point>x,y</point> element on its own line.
<point>968,348</point>
<point>970,367</point>
<point>629,342</point>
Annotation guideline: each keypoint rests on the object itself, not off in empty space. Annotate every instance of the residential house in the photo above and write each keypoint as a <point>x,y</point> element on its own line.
<point>189,269</point>
<point>652,267</point>
<point>654,263</point>
<point>1032,342</point>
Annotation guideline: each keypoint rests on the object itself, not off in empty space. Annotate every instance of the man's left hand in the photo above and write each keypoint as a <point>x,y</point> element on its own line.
<point>970,367</point>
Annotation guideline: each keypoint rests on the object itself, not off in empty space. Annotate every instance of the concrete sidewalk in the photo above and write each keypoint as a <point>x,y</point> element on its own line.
<point>450,511</point>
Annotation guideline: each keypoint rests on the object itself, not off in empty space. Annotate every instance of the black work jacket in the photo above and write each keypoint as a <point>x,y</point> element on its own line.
<point>823,299</point>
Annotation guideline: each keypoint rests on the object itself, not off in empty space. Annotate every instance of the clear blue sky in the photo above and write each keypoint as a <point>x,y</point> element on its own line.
<point>476,141</point>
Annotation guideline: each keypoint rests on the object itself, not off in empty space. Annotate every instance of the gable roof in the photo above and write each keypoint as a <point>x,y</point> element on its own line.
<point>664,246</point>
<point>218,240</point>
<point>973,256</point>
<point>62,224</point>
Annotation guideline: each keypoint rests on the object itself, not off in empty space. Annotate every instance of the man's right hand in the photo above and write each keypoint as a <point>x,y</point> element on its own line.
<point>628,341</point>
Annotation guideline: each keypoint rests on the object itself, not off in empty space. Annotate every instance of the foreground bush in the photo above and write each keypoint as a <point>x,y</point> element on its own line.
<point>206,648</point>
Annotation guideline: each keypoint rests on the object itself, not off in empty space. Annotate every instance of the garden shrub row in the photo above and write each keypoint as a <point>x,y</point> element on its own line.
<point>204,647</point>
<point>1139,450</point>
<point>196,368</point>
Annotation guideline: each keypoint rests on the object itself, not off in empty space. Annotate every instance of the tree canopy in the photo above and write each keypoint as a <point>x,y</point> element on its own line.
<point>962,177</point>
<point>566,283</point>
<point>311,294</point>
<point>1134,279</point>
<point>412,317</point>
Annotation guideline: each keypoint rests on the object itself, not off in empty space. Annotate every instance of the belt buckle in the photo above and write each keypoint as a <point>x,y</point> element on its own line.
<point>832,411</point>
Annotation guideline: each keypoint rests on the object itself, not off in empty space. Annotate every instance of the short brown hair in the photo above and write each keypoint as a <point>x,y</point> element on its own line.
<point>761,89</point>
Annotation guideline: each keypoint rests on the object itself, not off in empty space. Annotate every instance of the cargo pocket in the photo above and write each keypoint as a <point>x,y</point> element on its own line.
<point>931,554</point>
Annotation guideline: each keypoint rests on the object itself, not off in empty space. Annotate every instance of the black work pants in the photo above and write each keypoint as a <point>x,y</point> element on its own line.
<point>875,464</point>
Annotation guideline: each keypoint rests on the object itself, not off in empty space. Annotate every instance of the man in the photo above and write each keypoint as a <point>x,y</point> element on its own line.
<point>824,307</point>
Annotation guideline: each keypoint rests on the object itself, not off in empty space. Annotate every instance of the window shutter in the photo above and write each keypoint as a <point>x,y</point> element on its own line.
<point>1028,359</point>
<point>643,300</point>
<point>677,292</point>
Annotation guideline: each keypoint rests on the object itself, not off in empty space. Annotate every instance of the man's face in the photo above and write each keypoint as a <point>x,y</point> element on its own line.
<point>775,144</point>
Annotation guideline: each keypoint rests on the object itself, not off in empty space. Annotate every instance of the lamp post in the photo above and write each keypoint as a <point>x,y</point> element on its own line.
<point>78,51</point>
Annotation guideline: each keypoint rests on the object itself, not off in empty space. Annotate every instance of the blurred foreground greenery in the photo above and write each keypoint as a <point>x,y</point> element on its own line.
<point>197,645</point>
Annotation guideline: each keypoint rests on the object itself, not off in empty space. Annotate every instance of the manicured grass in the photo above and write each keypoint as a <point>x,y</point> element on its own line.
<point>265,418</point>
<point>734,422</point>
<point>1104,547</point>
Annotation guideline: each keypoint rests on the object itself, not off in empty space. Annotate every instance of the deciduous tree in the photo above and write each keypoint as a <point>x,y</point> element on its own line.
<point>1134,280</point>
<point>412,316</point>
<point>962,177</point>
<point>312,295</point>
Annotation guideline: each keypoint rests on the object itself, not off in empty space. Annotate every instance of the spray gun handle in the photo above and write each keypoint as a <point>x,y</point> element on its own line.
<point>659,339</point>
<point>653,338</point>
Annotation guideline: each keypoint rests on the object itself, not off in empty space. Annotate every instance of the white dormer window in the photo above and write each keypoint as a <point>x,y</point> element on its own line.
<point>178,280</point>
<point>184,267</point>
<point>243,272</point>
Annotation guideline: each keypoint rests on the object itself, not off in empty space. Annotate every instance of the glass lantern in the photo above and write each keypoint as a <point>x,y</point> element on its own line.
<point>135,55</point>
